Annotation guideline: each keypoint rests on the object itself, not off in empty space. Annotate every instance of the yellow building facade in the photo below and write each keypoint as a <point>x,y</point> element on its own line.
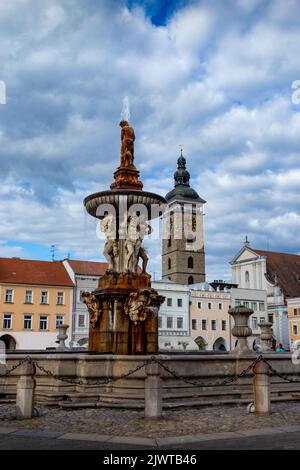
<point>293,305</point>
<point>35,298</point>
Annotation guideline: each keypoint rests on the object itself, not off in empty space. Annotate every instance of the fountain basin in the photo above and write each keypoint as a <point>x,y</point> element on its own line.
<point>125,198</point>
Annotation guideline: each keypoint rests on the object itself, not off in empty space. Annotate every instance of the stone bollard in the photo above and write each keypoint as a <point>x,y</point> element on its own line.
<point>266,336</point>
<point>25,391</point>
<point>261,386</point>
<point>62,336</point>
<point>153,395</point>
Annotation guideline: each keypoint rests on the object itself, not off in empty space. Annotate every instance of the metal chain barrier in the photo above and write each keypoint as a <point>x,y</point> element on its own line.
<point>153,359</point>
<point>48,372</point>
<point>9,371</point>
<point>278,374</point>
<point>82,382</point>
<point>208,384</point>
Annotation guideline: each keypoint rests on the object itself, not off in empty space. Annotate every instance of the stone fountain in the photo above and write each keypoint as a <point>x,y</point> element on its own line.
<point>124,308</point>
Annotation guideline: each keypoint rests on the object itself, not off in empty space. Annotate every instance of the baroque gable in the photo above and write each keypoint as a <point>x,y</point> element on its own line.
<point>245,254</point>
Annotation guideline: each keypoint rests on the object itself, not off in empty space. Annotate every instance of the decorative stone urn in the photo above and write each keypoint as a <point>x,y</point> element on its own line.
<point>266,336</point>
<point>241,329</point>
<point>62,336</point>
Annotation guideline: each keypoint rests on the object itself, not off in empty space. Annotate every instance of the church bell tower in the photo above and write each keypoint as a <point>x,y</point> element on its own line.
<point>183,258</point>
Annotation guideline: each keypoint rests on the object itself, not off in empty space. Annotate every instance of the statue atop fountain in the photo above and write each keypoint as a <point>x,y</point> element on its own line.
<point>124,308</point>
<point>127,147</point>
<point>127,176</point>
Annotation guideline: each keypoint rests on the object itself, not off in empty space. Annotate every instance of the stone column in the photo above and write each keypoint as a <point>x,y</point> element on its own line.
<point>266,336</point>
<point>25,391</point>
<point>241,329</point>
<point>153,392</point>
<point>62,336</point>
<point>261,385</point>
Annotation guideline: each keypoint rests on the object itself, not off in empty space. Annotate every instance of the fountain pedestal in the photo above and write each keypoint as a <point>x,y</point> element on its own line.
<point>124,308</point>
<point>126,321</point>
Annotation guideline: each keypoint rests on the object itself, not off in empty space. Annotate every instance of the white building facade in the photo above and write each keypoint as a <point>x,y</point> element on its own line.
<point>85,276</point>
<point>173,320</point>
<point>210,322</point>
<point>273,273</point>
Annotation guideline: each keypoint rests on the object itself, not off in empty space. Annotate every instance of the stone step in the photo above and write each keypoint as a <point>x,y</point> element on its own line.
<point>52,398</point>
<point>170,405</point>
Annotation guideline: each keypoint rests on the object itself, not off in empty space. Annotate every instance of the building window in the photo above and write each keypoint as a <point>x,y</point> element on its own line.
<point>261,306</point>
<point>204,325</point>
<point>295,329</point>
<point>60,298</point>
<point>44,297</point>
<point>169,242</point>
<point>254,323</point>
<point>7,321</point>
<point>190,280</point>
<point>262,320</point>
<point>169,322</point>
<point>246,304</point>
<point>179,302</point>
<point>199,304</point>
<point>169,302</point>
<point>28,297</point>
<point>179,322</point>
<point>247,279</point>
<point>209,305</point>
<point>81,321</point>
<point>9,296</point>
<point>169,263</point>
<point>224,325</point>
<point>213,325</point>
<point>80,294</point>
<point>296,311</point>
<point>159,322</point>
<point>220,306</point>
<point>27,322</point>
<point>190,262</point>
<point>254,306</point>
<point>43,322</point>
<point>270,317</point>
<point>59,320</point>
<point>194,324</point>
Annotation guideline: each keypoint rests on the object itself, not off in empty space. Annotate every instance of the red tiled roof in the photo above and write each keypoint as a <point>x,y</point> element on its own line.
<point>28,271</point>
<point>286,267</point>
<point>91,268</point>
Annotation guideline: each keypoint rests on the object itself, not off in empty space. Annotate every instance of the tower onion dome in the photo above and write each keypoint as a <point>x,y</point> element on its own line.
<point>182,189</point>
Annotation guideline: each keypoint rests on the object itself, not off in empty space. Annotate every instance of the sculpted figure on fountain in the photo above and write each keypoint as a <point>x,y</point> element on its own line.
<point>127,147</point>
<point>111,250</point>
<point>135,229</point>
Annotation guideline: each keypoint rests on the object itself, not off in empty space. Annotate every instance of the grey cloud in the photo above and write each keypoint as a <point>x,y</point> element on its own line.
<point>221,90</point>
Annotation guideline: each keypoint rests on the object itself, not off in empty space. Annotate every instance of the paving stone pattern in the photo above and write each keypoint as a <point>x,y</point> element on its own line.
<point>184,422</point>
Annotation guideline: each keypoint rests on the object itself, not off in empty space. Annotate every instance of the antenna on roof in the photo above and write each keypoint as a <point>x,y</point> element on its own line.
<point>53,250</point>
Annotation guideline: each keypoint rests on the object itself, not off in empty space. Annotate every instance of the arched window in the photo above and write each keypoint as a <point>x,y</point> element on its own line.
<point>190,262</point>
<point>247,279</point>
<point>190,280</point>
<point>169,241</point>
<point>169,263</point>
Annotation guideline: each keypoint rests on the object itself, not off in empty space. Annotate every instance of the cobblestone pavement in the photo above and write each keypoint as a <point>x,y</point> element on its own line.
<point>132,423</point>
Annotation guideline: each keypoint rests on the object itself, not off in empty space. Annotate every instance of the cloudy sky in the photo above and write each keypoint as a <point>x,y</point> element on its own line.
<point>214,76</point>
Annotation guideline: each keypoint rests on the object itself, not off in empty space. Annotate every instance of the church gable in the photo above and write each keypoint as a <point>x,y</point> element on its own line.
<point>245,254</point>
